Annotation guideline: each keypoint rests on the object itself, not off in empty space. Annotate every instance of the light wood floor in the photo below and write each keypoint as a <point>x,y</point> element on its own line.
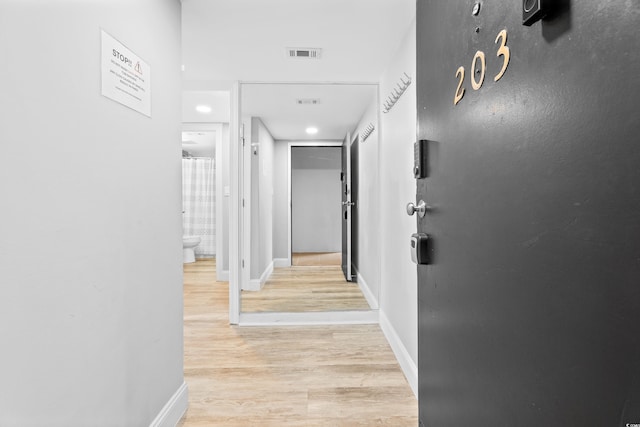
<point>316,258</point>
<point>305,289</point>
<point>285,376</point>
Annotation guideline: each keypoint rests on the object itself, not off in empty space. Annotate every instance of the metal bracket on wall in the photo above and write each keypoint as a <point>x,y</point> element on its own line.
<point>396,93</point>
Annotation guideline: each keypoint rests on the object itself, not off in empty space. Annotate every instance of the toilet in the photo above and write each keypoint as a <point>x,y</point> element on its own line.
<point>188,245</point>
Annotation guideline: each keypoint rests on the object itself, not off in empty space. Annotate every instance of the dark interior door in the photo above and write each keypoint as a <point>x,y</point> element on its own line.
<point>355,146</point>
<point>529,313</point>
<point>347,241</point>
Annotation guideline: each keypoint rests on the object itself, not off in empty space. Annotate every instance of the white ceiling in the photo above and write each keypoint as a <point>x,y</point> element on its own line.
<point>217,100</point>
<point>245,40</point>
<point>339,109</point>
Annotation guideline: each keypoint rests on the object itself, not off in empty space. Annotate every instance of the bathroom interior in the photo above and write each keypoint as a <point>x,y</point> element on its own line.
<point>198,195</point>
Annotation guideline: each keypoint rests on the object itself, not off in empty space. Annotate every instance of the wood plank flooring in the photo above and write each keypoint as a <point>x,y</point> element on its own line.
<point>316,258</point>
<point>285,376</point>
<point>305,289</point>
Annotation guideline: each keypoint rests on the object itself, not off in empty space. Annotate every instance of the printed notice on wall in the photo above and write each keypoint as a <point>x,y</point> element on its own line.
<point>126,78</point>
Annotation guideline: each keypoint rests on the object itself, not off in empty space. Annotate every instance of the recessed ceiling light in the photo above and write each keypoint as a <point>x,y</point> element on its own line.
<point>204,109</point>
<point>312,130</point>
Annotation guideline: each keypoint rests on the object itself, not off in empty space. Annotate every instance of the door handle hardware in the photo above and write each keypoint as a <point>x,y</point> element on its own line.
<point>421,208</point>
<point>348,203</point>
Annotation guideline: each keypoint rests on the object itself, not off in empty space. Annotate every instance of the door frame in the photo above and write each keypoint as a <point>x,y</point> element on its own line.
<point>239,231</point>
<point>235,219</point>
<point>290,145</point>
<point>221,275</point>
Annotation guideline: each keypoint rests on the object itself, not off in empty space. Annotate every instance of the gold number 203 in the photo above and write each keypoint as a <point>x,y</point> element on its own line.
<point>503,50</point>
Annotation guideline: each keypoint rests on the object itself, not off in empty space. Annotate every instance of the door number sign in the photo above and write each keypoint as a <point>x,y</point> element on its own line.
<point>479,67</point>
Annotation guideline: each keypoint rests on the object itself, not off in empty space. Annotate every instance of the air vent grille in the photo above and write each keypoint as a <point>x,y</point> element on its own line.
<point>303,52</point>
<point>308,101</point>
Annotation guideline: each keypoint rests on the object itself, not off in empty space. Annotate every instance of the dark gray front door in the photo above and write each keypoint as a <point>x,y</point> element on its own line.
<point>529,314</point>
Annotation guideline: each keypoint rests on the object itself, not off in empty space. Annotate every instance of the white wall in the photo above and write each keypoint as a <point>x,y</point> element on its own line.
<point>224,163</point>
<point>316,211</point>
<point>398,296</point>
<point>369,225</point>
<point>261,198</point>
<point>90,229</point>
<point>281,200</point>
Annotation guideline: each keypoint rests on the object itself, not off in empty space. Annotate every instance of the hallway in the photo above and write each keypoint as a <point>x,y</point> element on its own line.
<point>285,376</point>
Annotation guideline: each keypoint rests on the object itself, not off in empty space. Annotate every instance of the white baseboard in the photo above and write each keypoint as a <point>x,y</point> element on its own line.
<point>257,284</point>
<point>222,275</point>
<point>281,262</point>
<point>366,291</point>
<point>309,318</point>
<point>174,409</point>
<point>253,285</point>
<point>408,366</point>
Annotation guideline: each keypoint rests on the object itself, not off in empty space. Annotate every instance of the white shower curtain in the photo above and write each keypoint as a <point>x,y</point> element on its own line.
<point>198,203</point>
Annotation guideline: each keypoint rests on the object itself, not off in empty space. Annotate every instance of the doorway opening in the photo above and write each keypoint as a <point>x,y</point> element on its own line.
<point>314,208</point>
<point>287,213</point>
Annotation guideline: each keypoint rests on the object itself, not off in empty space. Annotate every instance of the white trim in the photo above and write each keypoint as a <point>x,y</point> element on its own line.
<point>314,143</point>
<point>220,226</point>
<point>309,318</point>
<point>253,285</point>
<point>289,208</point>
<point>281,262</point>
<point>257,284</point>
<point>366,291</point>
<point>311,143</point>
<point>308,83</point>
<point>408,366</point>
<point>235,212</point>
<point>266,273</point>
<point>174,409</point>
<point>237,238</point>
<point>222,275</point>
<point>246,207</point>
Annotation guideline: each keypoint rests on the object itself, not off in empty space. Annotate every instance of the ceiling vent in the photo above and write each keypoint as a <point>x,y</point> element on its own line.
<point>308,101</point>
<point>303,52</point>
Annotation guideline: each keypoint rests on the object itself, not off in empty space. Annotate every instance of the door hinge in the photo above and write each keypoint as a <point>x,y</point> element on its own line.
<point>243,203</point>
<point>242,263</point>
